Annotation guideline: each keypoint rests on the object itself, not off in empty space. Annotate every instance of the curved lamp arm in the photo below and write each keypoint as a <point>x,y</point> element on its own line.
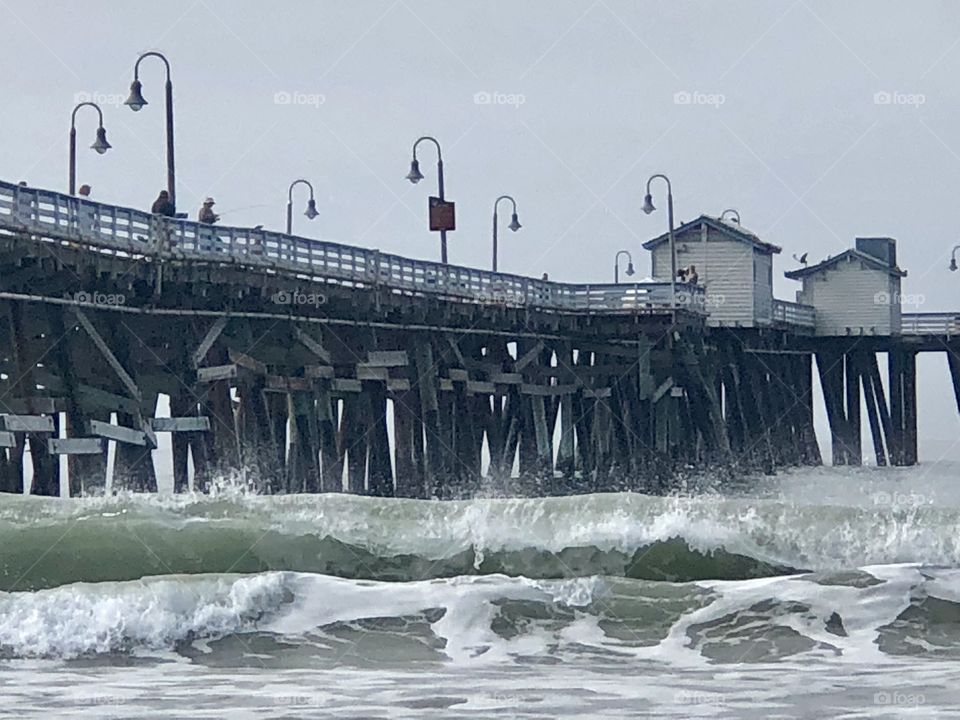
<point>505,197</point>
<point>431,139</point>
<point>294,184</point>
<point>731,210</point>
<point>152,53</point>
<point>662,177</point>
<point>73,115</point>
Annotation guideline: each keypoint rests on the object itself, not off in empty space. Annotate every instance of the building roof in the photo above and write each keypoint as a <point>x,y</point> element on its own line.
<point>846,255</point>
<point>733,230</point>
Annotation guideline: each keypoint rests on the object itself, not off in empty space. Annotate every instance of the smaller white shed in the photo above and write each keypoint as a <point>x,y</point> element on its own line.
<point>734,266</point>
<point>856,292</point>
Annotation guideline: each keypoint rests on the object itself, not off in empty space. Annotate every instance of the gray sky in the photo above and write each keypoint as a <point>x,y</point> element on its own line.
<point>784,124</point>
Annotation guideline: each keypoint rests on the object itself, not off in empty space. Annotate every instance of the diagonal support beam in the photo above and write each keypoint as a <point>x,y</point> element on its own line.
<point>208,340</point>
<point>529,356</point>
<point>111,359</point>
<point>456,351</point>
<point>312,344</point>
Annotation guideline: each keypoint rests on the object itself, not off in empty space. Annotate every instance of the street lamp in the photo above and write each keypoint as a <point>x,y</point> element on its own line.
<point>136,101</point>
<point>514,223</point>
<point>616,266</point>
<point>953,258</point>
<point>100,144</point>
<point>310,212</point>
<point>416,176</point>
<point>736,219</point>
<point>649,208</point>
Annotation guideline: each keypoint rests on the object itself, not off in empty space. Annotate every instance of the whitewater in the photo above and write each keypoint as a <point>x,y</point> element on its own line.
<point>819,593</point>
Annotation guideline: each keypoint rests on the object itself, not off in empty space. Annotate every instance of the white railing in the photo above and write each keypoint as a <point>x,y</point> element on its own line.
<point>791,313</point>
<point>132,233</point>
<point>930,323</point>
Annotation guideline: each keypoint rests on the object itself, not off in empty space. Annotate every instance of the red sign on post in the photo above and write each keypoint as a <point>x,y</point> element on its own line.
<point>442,215</point>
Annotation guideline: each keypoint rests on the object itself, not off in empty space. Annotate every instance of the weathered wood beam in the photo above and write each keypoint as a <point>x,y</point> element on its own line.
<point>117,432</point>
<point>199,355</point>
<point>75,446</point>
<point>27,423</point>
<point>100,343</point>
<point>312,344</point>
<point>193,423</point>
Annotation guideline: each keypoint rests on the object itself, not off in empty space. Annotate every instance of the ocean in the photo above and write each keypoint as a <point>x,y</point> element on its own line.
<point>818,593</point>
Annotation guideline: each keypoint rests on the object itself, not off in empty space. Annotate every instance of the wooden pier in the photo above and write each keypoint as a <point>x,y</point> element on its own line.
<point>307,366</point>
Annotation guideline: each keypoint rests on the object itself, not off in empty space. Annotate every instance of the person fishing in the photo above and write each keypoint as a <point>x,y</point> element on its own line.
<point>206,214</point>
<point>163,206</point>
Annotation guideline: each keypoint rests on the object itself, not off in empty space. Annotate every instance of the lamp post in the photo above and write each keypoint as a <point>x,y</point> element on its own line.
<point>649,208</point>
<point>136,101</point>
<point>616,266</point>
<point>100,145</point>
<point>416,176</point>
<point>310,212</point>
<point>953,258</point>
<point>733,212</point>
<point>514,223</point>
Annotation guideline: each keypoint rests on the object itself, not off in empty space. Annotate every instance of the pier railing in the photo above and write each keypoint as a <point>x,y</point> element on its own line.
<point>930,323</point>
<point>133,233</point>
<point>791,313</point>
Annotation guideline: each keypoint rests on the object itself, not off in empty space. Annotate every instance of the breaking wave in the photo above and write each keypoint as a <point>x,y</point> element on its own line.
<point>47,542</point>
<point>271,619</point>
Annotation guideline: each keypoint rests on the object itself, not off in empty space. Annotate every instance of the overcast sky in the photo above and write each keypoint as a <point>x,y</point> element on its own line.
<point>817,121</point>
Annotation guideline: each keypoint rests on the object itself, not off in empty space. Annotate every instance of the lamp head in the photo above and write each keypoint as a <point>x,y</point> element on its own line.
<point>311,211</point>
<point>648,204</point>
<point>630,270</point>
<point>514,222</point>
<point>136,101</point>
<point>953,264</point>
<point>101,145</point>
<point>414,175</point>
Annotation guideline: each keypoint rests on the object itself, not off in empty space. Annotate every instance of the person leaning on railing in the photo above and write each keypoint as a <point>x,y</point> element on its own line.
<point>163,206</point>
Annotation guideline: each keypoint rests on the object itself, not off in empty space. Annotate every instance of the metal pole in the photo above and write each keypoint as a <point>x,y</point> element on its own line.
<point>496,222</point>
<point>72,180</point>
<point>673,250</point>
<point>290,202</point>
<point>443,233</point>
<point>616,271</point>
<point>73,160</point>
<point>171,176</point>
<point>494,238</point>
